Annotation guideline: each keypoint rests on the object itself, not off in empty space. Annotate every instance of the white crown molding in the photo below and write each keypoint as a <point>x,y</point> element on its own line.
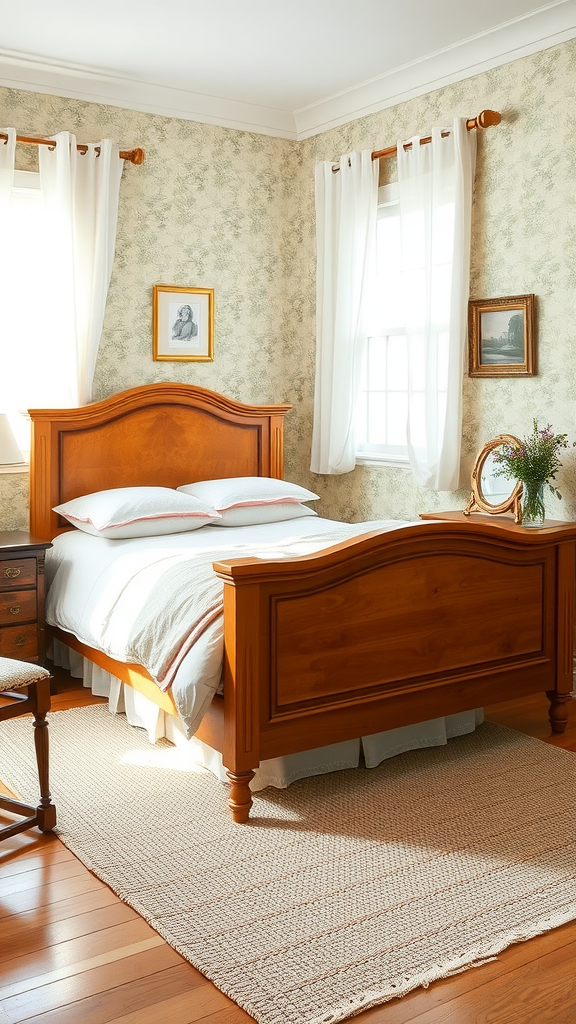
<point>21,71</point>
<point>546,27</point>
<point>518,38</point>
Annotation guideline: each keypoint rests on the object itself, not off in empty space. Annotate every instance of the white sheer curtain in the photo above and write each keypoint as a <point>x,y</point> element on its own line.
<point>435,183</point>
<point>81,192</point>
<point>57,240</point>
<point>346,204</point>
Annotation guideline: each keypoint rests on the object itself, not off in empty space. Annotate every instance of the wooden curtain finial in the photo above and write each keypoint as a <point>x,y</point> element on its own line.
<point>488,118</point>
<point>133,156</point>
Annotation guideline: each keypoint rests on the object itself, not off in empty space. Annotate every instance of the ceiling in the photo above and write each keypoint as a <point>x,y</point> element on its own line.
<point>290,68</point>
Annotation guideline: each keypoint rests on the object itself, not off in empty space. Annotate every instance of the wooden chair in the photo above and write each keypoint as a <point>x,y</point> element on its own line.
<point>16,676</point>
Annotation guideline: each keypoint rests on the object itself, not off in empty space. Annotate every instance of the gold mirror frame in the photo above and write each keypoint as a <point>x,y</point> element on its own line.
<point>478,502</point>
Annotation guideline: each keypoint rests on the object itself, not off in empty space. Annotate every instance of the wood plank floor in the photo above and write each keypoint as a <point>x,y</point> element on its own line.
<point>72,953</point>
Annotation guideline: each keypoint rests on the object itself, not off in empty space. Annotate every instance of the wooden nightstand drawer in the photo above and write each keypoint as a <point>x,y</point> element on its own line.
<point>17,572</point>
<point>18,606</point>
<point>22,626</point>
<point>20,642</point>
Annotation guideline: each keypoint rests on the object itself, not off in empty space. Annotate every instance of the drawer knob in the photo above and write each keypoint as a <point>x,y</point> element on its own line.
<point>11,572</point>
<point>14,609</point>
<point>20,641</point>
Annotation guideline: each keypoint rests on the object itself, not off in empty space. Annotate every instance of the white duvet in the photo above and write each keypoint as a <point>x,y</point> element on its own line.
<point>157,602</point>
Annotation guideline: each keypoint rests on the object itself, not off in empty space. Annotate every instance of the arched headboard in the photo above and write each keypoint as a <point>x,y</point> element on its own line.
<point>161,435</point>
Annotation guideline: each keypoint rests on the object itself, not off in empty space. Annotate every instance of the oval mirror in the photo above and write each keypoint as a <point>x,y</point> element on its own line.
<point>492,493</point>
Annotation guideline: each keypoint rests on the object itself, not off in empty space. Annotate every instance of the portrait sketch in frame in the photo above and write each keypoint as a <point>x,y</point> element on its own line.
<point>502,337</point>
<point>182,323</point>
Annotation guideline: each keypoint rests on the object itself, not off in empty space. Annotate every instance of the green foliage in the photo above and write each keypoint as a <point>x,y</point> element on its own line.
<point>536,461</point>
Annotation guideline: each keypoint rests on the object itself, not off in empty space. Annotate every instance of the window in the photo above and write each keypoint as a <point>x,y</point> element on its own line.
<point>382,407</point>
<point>31,319</point>
<point>386,391</point>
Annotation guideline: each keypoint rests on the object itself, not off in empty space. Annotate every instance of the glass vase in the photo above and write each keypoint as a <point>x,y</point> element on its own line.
<point>533,511</point>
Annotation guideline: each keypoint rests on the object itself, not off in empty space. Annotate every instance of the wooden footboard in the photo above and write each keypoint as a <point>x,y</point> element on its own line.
<point>392,629</point>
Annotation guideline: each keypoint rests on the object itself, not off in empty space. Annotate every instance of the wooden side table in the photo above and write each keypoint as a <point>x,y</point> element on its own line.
<point>506,522</point>
<point>22,623</point>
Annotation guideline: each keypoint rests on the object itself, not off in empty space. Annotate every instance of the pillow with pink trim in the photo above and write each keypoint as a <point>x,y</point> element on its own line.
<point>237,491</point>
<point>255,515</point>
<point>252,500</point>
<point>123,512</point>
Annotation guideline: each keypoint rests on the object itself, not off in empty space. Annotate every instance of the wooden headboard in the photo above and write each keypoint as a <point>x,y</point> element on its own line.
<point>160,435</point>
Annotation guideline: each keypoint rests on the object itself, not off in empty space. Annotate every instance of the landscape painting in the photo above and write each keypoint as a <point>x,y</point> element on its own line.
<point>501,337</point>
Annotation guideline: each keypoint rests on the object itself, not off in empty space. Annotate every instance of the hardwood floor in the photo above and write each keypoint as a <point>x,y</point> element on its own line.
<point>72,953</point>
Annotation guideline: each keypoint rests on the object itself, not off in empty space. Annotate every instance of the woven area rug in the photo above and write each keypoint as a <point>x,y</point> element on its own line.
<point>346,890</point>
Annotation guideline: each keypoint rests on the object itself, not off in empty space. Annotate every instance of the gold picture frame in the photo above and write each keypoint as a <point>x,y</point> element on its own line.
<point>182,324</point>
<point>501,335</point>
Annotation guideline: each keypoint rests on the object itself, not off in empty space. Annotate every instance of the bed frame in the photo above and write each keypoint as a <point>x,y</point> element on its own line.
<point>374,633</point>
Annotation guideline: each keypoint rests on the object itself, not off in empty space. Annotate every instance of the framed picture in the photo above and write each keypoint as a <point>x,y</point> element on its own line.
<point>183,324</point>
<point>501,335</point>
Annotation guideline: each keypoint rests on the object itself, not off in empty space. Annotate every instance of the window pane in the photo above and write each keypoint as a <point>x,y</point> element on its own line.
<point>376,363</point>
<point>417,428</point>
<point>397,414</point>
<point>397,364</point>
<point>377,418</point>
<point>418,362</point>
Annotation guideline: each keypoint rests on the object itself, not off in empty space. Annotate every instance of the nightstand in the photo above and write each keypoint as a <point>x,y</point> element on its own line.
<point>22,626</point>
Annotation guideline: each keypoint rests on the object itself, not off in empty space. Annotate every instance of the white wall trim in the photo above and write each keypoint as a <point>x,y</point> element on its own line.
<point>21,71</point>
<point>521,37</point>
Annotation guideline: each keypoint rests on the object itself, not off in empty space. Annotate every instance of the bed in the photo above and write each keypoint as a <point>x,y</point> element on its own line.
<point>379,631</point>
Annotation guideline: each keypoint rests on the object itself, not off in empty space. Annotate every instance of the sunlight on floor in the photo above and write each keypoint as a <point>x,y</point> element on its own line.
<point>170,757</point>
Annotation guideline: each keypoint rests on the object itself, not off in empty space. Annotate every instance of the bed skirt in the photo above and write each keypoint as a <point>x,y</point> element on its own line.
<point>279,771</point>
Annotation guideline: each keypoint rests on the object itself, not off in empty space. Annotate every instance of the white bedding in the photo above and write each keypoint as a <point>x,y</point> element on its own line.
<point>94,583</point>
<point>156,602</point>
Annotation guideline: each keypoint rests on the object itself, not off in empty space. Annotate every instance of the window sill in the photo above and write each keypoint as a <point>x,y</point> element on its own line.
<point>375,463</point>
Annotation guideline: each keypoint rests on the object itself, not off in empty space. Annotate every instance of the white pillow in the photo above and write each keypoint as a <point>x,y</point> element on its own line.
<point>137,512</point>
<point>236,491</point>
<point>255,515</point>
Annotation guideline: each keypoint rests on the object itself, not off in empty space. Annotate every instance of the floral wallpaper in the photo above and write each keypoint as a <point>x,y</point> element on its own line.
<point>217,207</point>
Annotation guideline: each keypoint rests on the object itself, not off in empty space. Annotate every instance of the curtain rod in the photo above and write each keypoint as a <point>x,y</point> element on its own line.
<point>132,156</point>
<point>485,119</point>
